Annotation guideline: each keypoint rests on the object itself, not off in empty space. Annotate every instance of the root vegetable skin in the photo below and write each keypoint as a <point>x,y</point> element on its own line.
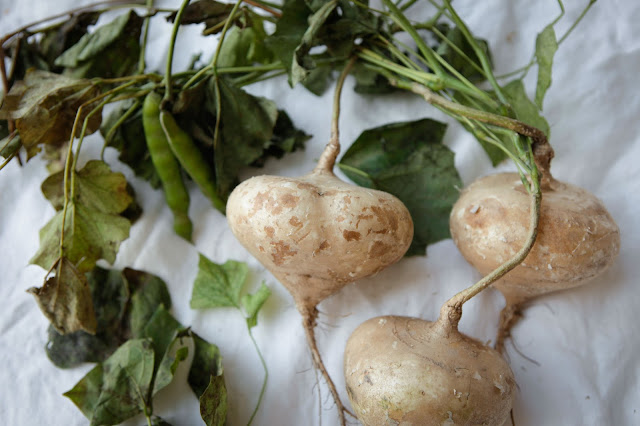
<point>407,371</point>
<point>577,238</point>
<point>317,233</point>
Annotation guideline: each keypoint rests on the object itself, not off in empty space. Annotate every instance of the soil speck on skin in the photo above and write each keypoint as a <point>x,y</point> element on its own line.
<point>324,245</point>
<point>351,235</point>
<point>377,249</point>
<point>270,231</point>
<point>289,200</point>
<point>280,252</point>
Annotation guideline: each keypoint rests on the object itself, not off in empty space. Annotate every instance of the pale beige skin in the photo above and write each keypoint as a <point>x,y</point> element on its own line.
<point>577,237</point>
<point>407,371</point>
<point>317,233</point>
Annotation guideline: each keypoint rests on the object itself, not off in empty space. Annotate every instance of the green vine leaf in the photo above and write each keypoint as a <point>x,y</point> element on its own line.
<point>94,227</point>
<point>206,379</point>
<point>525,110</point>
<point>111,51</point>
<point>217,285</point>
<point>546,47</point>
<point>252,303</point>
<point>409,161</point>
<point>65,299</point>
<point>118,389</point>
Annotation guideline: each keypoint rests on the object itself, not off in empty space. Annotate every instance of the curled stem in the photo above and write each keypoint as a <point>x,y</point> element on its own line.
<point>330,154</point>
<point>451,311</point>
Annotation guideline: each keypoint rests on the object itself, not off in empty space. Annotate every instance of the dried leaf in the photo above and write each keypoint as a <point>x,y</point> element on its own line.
<point>65,299</point>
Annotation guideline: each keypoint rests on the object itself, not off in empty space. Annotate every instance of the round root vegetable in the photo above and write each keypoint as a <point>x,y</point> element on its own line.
<point>413,372</point>
<point>316,233</point>
<point>577,238</point>
<point>407,371</point>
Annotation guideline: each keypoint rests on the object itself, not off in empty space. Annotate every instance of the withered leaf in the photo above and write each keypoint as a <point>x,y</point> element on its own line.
<point>65,299</point>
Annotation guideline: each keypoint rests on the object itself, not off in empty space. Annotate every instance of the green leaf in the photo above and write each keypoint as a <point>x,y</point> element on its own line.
<point>290,29</point>
<point>44,108</point>
<point>207,363</point>
<point>525,110</point>
<point>218,285</point>
<point>65,300</point>
<point>126,383</point>
<point>110,298</point>
<point>148,293</point>
<point>86,393</point>
<point>213,402</point>
<point>118,389</point>
<point>546,47</point>
<point>96,186</point>
<point>246,126</point>
<point>302,62</point>
<point>169,346</point>
<point>409,161</point>
<point>455,56</point>
<point>59,39</point>
<point>252,304</point>
<point>129,140</point>
<point>286,138</point>
<point>111,51</point>
<point>94,228</point>
<point>245,45</point>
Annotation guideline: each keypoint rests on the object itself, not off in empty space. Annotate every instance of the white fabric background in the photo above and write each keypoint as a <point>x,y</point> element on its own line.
<point>585,340</point>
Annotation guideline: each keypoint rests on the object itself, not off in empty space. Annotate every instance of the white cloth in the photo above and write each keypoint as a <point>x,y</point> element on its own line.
<point>582,339</point>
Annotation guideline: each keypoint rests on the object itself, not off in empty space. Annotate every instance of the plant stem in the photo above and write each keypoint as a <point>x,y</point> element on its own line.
<point>484,61</point>
<point>541,148</point>
<point>451,311</point>
<point>145,36</point>
<point>404,23</point>
<point>328,158</point>
<point>172,44</point>
<point>264,381</point>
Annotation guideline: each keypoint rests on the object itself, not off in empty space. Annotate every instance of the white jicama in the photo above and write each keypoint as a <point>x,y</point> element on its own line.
<point>317,234</point>
<point>409,371</point>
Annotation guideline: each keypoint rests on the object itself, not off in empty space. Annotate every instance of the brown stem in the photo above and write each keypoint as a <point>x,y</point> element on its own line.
<point>309,317</point>
<point>328,158</point>
<point>542,150</point>
<point>265,8</point>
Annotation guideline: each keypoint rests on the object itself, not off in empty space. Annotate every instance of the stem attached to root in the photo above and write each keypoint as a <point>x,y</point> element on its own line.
<point>542,153</point>
<point>330,154</point>
<point>451,311</point>
<point>308,323</point>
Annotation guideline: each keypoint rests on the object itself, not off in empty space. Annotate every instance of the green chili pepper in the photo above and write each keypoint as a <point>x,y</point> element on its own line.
<point>191,159</point>
<point>167,166</point>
